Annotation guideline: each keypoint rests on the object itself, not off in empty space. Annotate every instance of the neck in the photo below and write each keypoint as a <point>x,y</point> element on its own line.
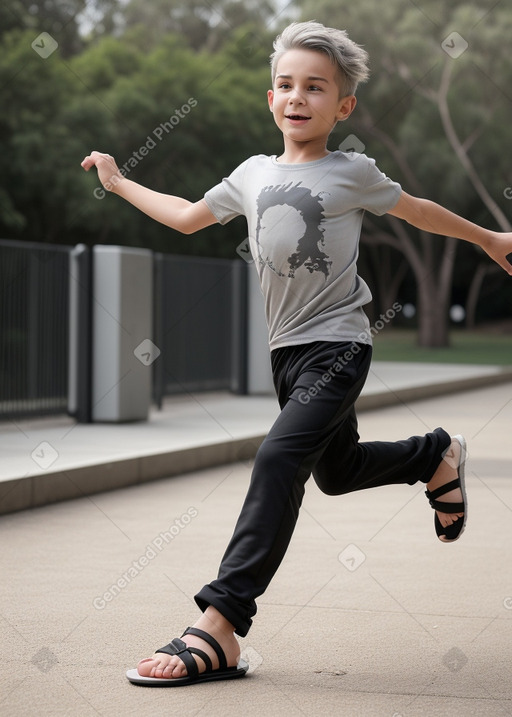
<point>300,152</point>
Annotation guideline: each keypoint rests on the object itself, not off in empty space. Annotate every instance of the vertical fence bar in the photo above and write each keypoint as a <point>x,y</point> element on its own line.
<point>33,326</point>
<point>239,328</point>
<point>158,329</point>
<point>80,333</point>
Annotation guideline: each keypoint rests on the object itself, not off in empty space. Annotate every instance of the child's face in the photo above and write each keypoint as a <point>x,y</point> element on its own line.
<point>306,99</point>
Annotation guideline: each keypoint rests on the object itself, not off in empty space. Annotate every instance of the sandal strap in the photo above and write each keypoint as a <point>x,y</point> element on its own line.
<point>204,657</point>
<point>212,642</point>
<point>442,490</point>
<point>178,647</point>
<point>443,506</point>
<point>449,508</point>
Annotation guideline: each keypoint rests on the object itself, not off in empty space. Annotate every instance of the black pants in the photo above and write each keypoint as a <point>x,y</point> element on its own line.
<point>316,433</point>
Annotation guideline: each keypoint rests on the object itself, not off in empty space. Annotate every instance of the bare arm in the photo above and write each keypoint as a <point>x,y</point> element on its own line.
<point>175,212</point>
<point>432,217</point>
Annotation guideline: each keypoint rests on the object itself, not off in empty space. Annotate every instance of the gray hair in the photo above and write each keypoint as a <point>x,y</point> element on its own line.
<point>350,59</point>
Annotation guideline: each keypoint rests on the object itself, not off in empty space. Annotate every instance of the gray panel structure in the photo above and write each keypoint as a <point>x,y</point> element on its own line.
<point>122,330</point>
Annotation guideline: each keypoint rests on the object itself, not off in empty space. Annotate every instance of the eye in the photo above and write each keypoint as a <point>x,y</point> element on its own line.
<point>284,86</point>
<point>314,88</point>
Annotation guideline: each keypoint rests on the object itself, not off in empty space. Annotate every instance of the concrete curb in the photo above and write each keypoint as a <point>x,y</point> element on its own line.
<point>51,487</point>
<point>417,393</point>
<point>37,490</point>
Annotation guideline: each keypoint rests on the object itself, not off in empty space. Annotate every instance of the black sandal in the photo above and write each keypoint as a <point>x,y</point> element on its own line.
<point>178,647</point>
<point>454,531</point>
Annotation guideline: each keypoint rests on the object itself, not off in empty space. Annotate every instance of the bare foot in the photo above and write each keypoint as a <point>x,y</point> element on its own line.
<point>171,666</point>
<point>446,472</point>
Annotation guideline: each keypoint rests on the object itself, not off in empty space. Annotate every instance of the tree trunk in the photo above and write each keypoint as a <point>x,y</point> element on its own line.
<point>434,295</point>
<point>433,330</point>
<point>386,276</point>
<point>475,287</point>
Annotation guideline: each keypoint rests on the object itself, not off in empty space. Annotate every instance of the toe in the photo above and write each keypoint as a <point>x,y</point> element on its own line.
<point>145,667</point>
<point>151,667</point>
<point>161,667</point>
<point>179,670</point>
<point>168,671</point>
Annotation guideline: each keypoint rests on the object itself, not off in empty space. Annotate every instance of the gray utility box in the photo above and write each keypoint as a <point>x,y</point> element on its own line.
<point>122,327</point>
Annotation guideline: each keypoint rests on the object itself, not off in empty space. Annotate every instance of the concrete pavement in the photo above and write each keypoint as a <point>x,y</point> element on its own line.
<point>369,615</point>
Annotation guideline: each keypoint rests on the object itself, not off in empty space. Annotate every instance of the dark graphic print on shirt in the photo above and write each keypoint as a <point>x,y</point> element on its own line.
<point>308,252</point>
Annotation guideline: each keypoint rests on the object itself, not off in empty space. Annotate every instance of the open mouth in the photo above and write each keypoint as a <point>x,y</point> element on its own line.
<point>297,118</point>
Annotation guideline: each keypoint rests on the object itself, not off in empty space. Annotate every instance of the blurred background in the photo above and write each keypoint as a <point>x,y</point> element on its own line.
<point>176,92</point>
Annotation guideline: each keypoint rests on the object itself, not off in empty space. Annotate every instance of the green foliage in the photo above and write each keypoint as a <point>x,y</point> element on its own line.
<point>177,93</point>
<point>405,41</point>
<point>193,113</point>
<point>204,26</point>
<point>57,17</point>
<point>103,64</point>
<point>407,60</point>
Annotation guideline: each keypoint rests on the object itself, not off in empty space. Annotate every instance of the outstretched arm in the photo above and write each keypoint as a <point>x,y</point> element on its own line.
<point>174,212</point>
<point>432,217</point>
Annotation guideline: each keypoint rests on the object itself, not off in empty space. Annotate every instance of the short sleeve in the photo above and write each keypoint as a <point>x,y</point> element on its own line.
<point>379,193</point>
<point>225,200</point>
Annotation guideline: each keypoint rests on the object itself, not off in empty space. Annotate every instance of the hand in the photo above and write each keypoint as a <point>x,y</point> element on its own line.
<point>499,247</point>
<point>108,171</point>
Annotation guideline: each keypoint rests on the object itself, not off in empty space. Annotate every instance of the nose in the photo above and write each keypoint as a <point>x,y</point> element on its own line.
<point>295,97</point>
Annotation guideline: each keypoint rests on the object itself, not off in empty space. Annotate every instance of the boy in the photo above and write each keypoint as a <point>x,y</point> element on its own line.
<point>304,211</point>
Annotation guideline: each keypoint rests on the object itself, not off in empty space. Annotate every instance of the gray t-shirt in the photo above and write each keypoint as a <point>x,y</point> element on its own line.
<point>304,224</point>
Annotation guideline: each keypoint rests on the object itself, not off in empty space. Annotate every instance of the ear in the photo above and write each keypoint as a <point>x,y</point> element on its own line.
<point>270,97</point>
<point>346,107</point>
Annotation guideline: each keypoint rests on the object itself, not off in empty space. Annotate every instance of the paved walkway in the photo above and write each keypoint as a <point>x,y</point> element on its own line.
<point>369,615</point>
<point>49,460</point>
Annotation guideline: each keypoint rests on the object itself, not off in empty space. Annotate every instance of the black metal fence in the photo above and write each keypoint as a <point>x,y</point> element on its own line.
<point>198,305</point>
<point>34,289</point>
<point>199,312</point>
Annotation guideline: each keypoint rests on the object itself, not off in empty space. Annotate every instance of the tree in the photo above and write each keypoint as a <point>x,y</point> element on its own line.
<point>39,194</point>
<point>436,103</point>
<point>199,111</point>
<point>188,106</point>
<point>198,114</point>
<point>59,19</point>
<point>180,111</point>
<point>204,26</point>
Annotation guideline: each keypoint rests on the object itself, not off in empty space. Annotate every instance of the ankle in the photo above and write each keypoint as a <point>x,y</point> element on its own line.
<point>447,468</point>
<point>214,621</point>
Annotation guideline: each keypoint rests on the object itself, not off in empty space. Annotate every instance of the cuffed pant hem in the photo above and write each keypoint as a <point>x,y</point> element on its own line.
<point>207,597</point>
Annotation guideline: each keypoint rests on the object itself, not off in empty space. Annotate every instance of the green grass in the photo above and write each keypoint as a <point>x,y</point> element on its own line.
<point>466,347</point>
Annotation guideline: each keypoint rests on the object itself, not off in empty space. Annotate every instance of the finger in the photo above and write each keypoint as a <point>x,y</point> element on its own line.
<point>92,159</point>
<point>506,263</point>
